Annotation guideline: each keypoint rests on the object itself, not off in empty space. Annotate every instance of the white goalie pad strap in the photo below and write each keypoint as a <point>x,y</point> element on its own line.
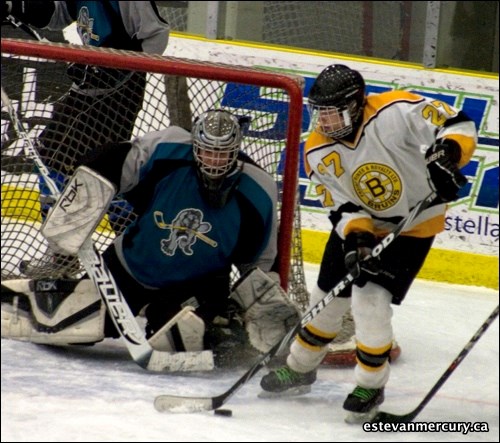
<point>183,332</point>
<point>182,336</point>
<point>270,313</point>
<point>162,339</point>
<point>78,211</point>
<point>191,332</point>
<point>38,312</point>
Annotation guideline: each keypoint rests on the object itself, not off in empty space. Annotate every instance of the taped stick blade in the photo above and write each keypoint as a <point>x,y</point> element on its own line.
<point>183,405</point>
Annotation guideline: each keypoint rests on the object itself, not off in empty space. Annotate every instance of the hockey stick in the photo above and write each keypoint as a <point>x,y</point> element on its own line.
<point>30,150</point>
<point>387,417</point>
<point>124,320</point>
<point>173,403</point>
<point>16,23</point>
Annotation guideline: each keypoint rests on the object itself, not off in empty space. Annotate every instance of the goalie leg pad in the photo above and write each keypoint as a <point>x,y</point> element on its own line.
<point>78,211</point>
<point>52,312</point>
<point>182,337</point>
<point>183,332</point>
<point>269,312</point>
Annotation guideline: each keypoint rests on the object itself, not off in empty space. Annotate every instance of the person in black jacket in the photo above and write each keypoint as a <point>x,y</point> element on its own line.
<point>102,103</point>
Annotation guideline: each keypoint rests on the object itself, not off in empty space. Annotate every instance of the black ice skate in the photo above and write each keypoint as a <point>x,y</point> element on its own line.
<point>362,403</point>
<point>285,382</point>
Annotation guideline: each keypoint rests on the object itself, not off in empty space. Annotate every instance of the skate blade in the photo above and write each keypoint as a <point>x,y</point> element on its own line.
<point>292,392</point>
<point>355,418</point>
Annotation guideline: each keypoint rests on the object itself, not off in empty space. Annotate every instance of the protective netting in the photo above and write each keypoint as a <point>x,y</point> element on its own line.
<point>64,126</point>
<point>337,26</point>
<point>350,27</point>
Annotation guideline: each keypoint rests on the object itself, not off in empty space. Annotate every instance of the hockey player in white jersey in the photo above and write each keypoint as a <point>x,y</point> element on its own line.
<point>372,158</point>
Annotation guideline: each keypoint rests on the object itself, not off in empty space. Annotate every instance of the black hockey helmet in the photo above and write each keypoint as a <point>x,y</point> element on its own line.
<point>337,89</point>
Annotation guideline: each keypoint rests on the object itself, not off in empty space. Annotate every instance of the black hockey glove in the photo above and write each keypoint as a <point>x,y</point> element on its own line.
<point>357,248</point>
<point>442,162</point>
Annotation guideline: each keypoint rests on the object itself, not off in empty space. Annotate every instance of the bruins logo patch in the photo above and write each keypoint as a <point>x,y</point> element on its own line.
<point>377,186</point>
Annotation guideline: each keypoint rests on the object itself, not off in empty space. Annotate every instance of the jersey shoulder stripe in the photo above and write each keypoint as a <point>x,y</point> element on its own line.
<point>314,142</point>
<point>377,102</point>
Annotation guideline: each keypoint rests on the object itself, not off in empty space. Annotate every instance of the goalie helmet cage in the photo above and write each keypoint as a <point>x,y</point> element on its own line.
<point>36,78</point>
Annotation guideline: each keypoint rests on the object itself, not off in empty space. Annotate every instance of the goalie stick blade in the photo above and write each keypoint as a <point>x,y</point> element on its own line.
<point>183,405</point>
<point>181,361</point>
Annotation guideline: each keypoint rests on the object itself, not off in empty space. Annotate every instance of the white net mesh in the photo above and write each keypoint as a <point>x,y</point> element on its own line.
<point>65,126</point>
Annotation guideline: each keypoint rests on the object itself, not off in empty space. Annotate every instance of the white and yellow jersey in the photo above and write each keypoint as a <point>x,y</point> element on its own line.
<point>374,180</point>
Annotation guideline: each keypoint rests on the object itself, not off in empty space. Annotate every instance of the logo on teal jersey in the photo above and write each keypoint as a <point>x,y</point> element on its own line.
<point>185,229</point>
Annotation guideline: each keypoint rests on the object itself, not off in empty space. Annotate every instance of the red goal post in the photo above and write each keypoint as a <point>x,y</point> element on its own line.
<point>261,94</point>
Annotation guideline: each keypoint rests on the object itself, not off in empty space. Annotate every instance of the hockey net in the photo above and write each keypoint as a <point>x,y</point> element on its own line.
<point>36,78</point>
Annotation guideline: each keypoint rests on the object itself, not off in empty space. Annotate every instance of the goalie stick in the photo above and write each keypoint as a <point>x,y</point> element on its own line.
<point>174,403</point>
<point>387,417</point>
<point>124,320</point>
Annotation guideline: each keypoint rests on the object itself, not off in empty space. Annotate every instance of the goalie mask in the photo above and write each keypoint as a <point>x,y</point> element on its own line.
<point>216,141</point>
<point>336,101</point>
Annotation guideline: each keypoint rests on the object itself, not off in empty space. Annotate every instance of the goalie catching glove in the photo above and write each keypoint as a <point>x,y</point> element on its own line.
<point>269,313</point>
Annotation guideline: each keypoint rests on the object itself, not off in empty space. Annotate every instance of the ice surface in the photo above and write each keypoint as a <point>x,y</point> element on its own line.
<point>98,394</point>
